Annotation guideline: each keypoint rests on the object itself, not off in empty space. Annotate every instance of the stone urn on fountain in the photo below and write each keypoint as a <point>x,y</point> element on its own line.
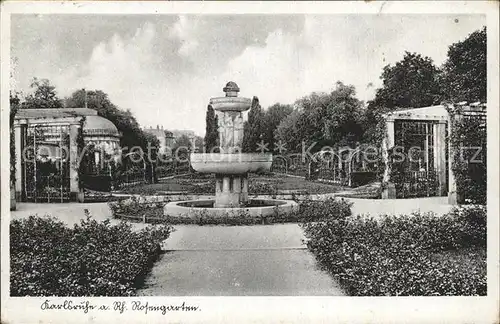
<point>231,167</point>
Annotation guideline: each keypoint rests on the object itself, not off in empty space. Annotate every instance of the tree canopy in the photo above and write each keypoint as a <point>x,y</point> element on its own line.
<point>124,120</point>
<point>322,119</point>
<point>253,127</point>
<point>415,82</point>
<point>464,72</point>
<point>410,83</point>
<point>273,116</point>
<point>44,95</point>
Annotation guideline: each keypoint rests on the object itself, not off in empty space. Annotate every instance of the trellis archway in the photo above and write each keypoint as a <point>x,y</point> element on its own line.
<point>429,129</point>
<point>45,163</point>
<point>280,164</point>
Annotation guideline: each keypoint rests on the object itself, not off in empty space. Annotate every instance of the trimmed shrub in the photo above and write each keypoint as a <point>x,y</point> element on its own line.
<point>308,211</point>
<point>138,206</point>
<point>135,208</point>
<point>91,259</point>
<point>262,187</point>
<point>395,255</point>
<point>330,208</point>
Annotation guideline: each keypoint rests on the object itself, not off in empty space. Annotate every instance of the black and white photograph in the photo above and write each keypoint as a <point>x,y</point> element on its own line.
<point>167,160</point>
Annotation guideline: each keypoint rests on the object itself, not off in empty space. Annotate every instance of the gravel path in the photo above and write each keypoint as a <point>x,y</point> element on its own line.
<point>238,260</point>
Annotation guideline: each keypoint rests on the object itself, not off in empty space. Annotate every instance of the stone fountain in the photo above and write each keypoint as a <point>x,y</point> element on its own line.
<point>231,167</point>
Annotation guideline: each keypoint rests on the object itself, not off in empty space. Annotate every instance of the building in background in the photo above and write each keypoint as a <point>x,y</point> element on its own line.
<point>165,137</point>
<point>170,140</point>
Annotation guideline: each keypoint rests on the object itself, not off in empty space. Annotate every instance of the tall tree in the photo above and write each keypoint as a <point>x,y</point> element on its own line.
<point>211,130</point>
<point>272,118</point>
<point>253,127</point>
<point>310,125</point>
<point>410,83</point>
<point>323,119</point>
<point>288,131</point>
<point>464,72</point>
<point>44,95</point>
<point>124,120</point>
<point>344,117</point>
<point>182,146</point>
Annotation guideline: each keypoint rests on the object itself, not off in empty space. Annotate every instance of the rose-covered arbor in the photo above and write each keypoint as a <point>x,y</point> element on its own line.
<point>420,160</point>
<point>49,145</point>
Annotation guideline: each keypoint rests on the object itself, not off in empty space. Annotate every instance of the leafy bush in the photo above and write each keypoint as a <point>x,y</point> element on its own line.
<point>197,176</point>
<point>163,171</point>
<point>136,208</point>
<point>91,259</point>
<point>203,187</point>
<point>139,206</point>
<point>468,140</point>
<point>394,255</point>
<point>308,211</point>
<point>330,208</point>
<point>261,187</point>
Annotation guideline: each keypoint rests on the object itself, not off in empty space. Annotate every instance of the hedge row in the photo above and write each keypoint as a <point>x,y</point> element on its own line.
<point>136,208</point>
<point>91,259</point>
<point>396,255</point>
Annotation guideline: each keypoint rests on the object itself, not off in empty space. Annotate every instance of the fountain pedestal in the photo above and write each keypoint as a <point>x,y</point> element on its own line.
<point>231,168</point>
<point>231,190</point>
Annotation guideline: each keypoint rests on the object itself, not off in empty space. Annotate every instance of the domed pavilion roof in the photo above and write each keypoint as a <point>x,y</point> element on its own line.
<point>97,125</point>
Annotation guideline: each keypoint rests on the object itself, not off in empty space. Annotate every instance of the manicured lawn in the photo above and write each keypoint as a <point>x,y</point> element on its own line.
<point>370,191</point>
<point>258,184</point>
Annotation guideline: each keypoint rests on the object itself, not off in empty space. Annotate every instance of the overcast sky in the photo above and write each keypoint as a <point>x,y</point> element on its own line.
<point>166,67</point>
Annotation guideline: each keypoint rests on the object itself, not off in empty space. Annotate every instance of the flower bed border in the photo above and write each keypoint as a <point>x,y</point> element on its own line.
<point>295,216</point>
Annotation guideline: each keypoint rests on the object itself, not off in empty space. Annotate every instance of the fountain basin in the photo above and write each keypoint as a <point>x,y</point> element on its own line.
<point>231,164</point>
<point>230,103</point>
<point>205,207</point>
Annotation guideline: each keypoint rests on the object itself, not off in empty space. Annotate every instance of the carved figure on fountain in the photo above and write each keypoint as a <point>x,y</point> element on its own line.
<point>231,167</point>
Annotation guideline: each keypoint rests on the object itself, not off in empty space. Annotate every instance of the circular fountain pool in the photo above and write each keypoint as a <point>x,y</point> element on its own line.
<point>253,208</point>
<point>231,168</point>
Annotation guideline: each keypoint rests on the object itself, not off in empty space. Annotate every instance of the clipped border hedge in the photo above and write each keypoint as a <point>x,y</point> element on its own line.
<point>140,210</point>
<point>395,255</point>
<point>91,259</point>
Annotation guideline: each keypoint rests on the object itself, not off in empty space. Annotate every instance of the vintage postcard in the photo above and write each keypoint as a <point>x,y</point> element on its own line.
<point>248,162</point>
